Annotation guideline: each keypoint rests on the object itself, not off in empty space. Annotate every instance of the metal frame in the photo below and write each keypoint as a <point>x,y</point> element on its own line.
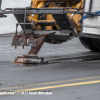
<point>62,10</point>
<point>37,38</point>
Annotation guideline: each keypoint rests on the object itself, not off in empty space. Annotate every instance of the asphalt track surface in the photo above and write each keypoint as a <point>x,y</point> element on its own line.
<point>73,73</point>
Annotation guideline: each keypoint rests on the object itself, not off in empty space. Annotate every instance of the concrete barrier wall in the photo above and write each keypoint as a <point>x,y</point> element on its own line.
<point>8,25</point>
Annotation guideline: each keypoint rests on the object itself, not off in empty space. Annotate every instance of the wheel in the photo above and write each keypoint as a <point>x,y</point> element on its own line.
<point>90,44</point>
<point>96,43</point>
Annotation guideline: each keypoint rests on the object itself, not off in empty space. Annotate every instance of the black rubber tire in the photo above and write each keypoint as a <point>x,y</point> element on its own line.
<point>88,43</point>
<point>96,43</point>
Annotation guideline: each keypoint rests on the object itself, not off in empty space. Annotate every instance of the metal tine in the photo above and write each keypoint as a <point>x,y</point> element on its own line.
<point>31,41</point>
<point>15,41</point>
<point>23,41</point>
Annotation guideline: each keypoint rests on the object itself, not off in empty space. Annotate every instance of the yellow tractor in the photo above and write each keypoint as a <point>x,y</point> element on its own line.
<point>75,4</point>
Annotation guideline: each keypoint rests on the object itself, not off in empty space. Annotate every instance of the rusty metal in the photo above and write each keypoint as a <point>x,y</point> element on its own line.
<point>15,41</point>
<point>23,41</point>
<point>31,41</point>
<point>31,57</point>
<point>45,34</point>
<point>39,42</point>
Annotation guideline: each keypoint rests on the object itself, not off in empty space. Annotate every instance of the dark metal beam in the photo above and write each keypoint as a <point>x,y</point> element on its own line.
<point>43,11</point>
<point>90,6</point>
<point>0,4</point>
